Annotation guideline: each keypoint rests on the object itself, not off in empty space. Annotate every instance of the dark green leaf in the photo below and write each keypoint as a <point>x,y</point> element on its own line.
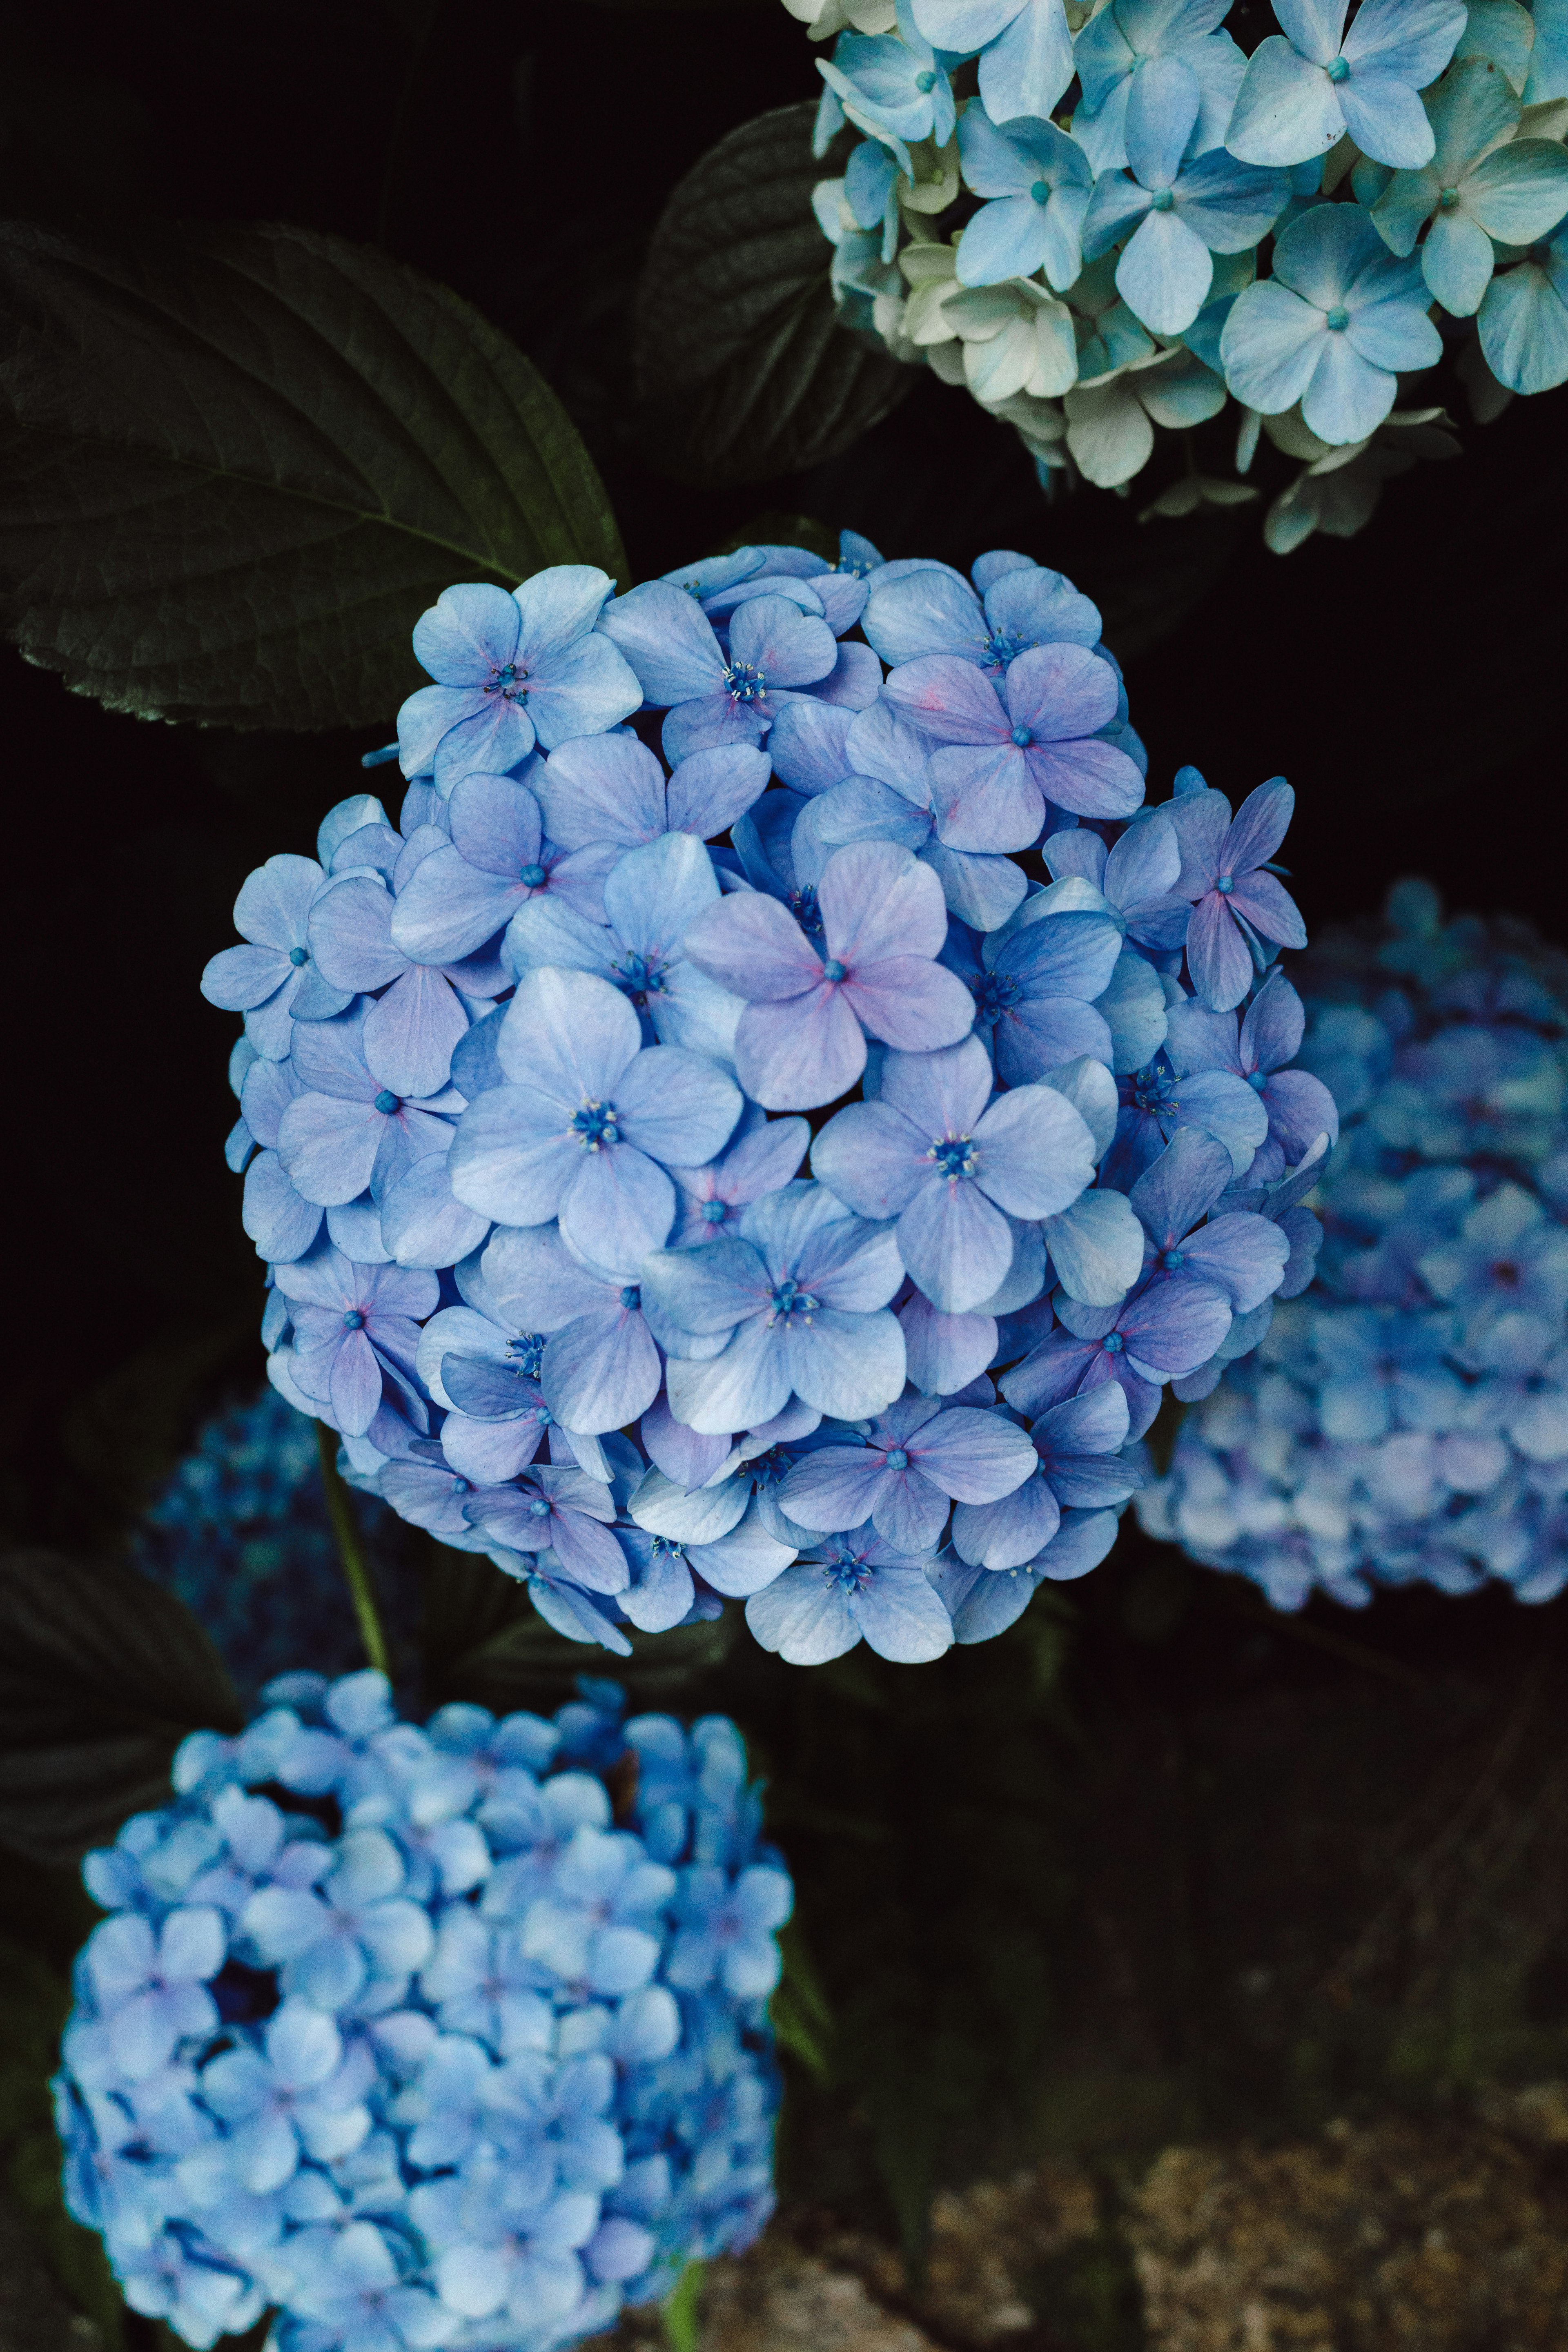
<point>743,369</point>
<point>102,1675</point>
<point>238,463</point>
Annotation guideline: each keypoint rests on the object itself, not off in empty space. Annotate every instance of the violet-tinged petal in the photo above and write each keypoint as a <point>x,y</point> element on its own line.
<point>799,1053</point>
<point>751,945</point>
<point>601,1370</point>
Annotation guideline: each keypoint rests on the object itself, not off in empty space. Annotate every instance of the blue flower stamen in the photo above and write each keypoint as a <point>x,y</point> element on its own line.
<point>595,1125</point>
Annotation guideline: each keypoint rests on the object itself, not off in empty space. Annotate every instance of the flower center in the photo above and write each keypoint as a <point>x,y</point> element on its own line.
<point>631,1298</point>
<point>996,992</point>
<point>534,876</point>
<point>539,1509</point>
<point>527,1353</point>
<point>296,956</point>
<point>1449,198</point>
<point>353,1320</point>
<point>1153,1089</point>
<point>1339,69</point>
<point>386,1102</point>
<point>1226,882</point>
<point>595,1125</point>
<point>925,83</point>
<point>744,684</point>
<point>1172,1260</point>
<point>787,1300</point>
<point>1022,737</point>
<point>1041,191</point>
<point>1337,318</point>
<point>803,905</point>
<point>896,1458</point>
<point>832,969</point>
<point>639,978</point>
<point>1001,647</point>
<point>766,1469</point>
<point>1257,1080</point>
<point>954,1156</point>
<point>508,683</point>
<point>1161,200</point>
<point>663,1548</point>
<point>1113,1343</point>
<point>846,1573</point>
<point>713,1212</point>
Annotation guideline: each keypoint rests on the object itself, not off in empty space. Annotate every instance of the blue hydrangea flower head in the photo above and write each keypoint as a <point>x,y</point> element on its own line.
<point>545,1246</point>
<point>304,2070</point>
<point>1406,1418</point>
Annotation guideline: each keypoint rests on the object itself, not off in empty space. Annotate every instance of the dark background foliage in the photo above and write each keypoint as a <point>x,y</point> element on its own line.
<point>1157,1863</point>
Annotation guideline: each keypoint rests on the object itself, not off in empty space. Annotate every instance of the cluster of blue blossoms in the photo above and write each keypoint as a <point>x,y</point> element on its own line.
<point>1130,224</point>
<point>414,2037</point>
<point>539,1252</point>
<point>239,1533</point>
<point>1407,1421</point>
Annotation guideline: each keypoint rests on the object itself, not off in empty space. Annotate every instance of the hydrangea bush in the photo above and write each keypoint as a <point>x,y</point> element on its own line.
<point>1406,1420</point>
<point>1106,221</point>
<point>239,1531</point>
<point>525,1082</point>
<point>452,2036</point>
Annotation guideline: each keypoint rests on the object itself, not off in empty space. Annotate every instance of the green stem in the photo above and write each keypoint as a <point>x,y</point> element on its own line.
<point>356,1570</point>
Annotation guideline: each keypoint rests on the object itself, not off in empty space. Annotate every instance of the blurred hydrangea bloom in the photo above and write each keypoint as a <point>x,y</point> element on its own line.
<point>239,1531</point>
<point>1406,1418</point>
<point>586,1305</point>
<point>1109,226</point>
<point>435,2042</point>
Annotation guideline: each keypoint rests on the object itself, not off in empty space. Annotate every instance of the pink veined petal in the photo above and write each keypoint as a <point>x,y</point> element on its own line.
<point>801,1052</point>
<point>753,947</point>
<point>910,1002</point>
<point>984,799</point>
<point>1091,778</point>
<point>1258,828</point>
<point>1269,909</point>
<point>878,900</point>
<point>949,699</point>
<point>1218,955</point>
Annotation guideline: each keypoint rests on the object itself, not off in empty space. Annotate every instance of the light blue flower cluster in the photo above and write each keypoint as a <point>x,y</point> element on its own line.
<point>1105,219</point>
<point>1406,1420</point>
<point>417,2037</point>
<point>239,1532</point>
<point>537,1248</point>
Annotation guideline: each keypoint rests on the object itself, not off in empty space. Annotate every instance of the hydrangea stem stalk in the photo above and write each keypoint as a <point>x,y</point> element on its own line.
<point>356,1569</point>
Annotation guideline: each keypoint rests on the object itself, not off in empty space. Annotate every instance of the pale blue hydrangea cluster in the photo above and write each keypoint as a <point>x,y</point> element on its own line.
<point>239,1532</point>
<point>1406,1420</point>
<point>420,2037</point>
<point>537,1247</point>
<point>1104,219</point>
